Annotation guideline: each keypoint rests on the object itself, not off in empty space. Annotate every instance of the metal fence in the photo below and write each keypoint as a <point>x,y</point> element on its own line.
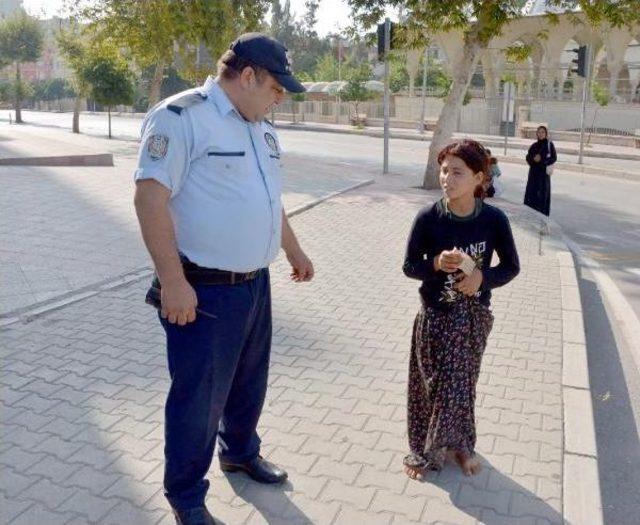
<point>480,115</point>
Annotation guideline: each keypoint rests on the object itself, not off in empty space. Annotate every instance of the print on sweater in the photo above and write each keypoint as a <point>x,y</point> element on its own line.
<point>449,294</point>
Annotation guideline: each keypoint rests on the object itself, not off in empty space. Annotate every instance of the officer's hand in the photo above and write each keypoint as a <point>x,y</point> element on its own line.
<point>301,267</point>
<point>178,301</point>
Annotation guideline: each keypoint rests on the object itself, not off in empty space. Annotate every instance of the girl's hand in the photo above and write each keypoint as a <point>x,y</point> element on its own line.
<point>537,158</point>
<point>470,284</point>
<point>448,261</point>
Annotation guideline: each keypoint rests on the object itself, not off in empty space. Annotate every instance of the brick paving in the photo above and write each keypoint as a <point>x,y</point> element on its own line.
<point>83,389</point>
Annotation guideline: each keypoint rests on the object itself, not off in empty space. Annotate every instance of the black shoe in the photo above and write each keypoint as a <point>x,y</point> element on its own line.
<point>258,469</point>
<point>194,516</point>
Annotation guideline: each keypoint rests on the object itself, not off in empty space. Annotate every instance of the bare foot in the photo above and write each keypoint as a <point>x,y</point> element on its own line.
<point>414,472</point>
<point>469,465</point>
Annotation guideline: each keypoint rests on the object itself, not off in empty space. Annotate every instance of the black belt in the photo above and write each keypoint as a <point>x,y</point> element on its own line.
<point>200,275</point>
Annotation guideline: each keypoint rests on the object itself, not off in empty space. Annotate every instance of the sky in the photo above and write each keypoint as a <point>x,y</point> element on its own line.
<point>332,14</point>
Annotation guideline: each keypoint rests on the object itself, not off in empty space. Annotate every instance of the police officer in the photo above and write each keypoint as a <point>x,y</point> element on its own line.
<point>208,187</point>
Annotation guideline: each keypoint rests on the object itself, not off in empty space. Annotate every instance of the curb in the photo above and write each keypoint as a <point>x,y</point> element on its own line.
<point>99,159</point>
<point>580,479</point>
<point>567,166</point>
<point>31,312</point>
<point>312,204</point>
<point>625,324</point>
<point>581,496</point>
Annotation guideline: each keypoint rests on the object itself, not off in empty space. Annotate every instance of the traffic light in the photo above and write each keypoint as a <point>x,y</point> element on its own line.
<point>381,39</point>
<point>580,61</point>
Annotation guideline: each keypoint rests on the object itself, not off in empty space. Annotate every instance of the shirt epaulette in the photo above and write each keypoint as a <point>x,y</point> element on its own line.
<point>186,101</point>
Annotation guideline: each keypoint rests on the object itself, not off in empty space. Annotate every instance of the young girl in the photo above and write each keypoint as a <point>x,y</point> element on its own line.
<point>493,184</point>
<point>450,249</point>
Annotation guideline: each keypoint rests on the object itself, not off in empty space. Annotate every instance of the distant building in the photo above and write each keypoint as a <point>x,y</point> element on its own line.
<point>8,7</point>
<point>51,64</point>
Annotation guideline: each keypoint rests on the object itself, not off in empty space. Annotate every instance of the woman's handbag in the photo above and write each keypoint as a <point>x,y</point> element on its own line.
<point>549,168</point>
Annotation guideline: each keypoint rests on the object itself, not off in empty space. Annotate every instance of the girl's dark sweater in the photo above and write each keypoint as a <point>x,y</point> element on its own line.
<point>484,232</point>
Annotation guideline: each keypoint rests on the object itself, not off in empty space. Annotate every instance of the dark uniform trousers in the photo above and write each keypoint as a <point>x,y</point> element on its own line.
<point>219,368</point>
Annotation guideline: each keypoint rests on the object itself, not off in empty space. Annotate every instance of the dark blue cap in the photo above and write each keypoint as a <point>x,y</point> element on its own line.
<point>268,53</point>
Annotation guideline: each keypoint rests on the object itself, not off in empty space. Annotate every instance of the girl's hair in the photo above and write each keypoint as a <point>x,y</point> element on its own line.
<point>474,155</point>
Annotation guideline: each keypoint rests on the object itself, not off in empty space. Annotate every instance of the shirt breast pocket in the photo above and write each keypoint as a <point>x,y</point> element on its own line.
<point>227,169</point>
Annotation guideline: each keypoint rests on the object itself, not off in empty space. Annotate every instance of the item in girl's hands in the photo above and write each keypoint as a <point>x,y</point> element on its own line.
<point>467,265</point>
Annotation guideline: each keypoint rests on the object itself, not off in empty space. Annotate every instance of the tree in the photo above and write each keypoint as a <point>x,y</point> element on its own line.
<point>478,21</point>
<point>296,98</point>
<point>283,25</point>
<point>299,37</point>
<point>146,29</point>
<point>326,69</point>
<point>150,31</point>
<point>355,90</point>
<point>5,91</point>
<point>109,78</point>
<point>20,41</point>
<point>75,51</point>
<point>50,90</point>
<point>311,18</point>
<point>398,75</point>
<point>213,25</point>
<point>602,98</point>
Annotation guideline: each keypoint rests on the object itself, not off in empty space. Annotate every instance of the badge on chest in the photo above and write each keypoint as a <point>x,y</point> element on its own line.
<point>271,142</point>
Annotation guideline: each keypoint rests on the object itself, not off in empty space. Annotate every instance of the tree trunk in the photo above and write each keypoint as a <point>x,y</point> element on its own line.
<point>18,97</point>
<point>76,114</point>
<point>449,115</point>
<point>156,84</point>
<point>109,113</point>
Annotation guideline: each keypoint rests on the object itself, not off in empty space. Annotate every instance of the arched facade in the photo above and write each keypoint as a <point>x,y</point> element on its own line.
<point>615,58</point>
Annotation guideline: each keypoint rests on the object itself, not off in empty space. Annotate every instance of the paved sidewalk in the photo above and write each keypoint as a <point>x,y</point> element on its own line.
<point>83,389</point>
<point>64,229</point>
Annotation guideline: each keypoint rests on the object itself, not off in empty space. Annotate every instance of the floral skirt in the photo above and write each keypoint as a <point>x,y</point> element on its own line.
<point>446,352</point>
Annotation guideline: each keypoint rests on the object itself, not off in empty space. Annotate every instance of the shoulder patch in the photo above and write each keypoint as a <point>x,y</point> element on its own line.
<point>186,101</point>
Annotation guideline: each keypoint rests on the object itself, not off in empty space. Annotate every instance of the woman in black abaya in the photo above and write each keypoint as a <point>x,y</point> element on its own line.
<point>541,157</point>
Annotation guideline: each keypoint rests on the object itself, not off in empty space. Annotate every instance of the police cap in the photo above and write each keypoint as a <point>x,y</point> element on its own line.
<point>268,53</point>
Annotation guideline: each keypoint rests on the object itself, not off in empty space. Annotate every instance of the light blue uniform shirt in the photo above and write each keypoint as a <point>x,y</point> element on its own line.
<point>224,174</point>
